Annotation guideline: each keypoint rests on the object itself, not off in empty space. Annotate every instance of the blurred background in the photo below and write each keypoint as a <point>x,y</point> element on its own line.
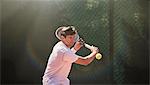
<point>120,28</point>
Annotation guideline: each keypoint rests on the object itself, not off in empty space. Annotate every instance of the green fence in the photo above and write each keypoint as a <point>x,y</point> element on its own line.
<point>118,27</point>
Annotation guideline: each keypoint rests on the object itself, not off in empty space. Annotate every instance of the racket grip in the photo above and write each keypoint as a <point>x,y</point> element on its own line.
<point>87,46</point>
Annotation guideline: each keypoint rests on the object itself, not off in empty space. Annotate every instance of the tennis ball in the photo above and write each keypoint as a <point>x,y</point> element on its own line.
<point>98,56</point>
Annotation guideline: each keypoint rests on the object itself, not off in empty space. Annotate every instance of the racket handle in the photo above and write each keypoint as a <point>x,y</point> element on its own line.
<point>87,46</point>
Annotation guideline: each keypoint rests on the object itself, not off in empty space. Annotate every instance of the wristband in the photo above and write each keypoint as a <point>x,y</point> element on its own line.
<point>73,50</point>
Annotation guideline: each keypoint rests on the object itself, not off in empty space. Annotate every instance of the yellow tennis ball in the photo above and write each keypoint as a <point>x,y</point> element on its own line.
<point>98,56</point>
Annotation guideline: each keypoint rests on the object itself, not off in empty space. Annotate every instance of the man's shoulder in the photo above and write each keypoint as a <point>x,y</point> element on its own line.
<point>60,47</point>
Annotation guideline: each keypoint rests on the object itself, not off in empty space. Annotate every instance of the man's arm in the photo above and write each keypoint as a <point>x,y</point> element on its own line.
<point>86,60</point>
<point>77,46</point>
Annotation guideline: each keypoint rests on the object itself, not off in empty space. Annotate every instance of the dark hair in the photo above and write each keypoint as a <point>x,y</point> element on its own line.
<point>69,31</point>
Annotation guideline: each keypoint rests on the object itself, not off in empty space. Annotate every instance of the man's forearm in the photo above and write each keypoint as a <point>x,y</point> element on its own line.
<point>90,56</point>
<point>86,60</point>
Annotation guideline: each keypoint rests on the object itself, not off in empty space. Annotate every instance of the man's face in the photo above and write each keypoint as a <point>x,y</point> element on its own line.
<point>70,40</point>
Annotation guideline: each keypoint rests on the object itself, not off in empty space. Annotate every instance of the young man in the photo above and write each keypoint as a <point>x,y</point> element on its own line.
<point>62,57</point>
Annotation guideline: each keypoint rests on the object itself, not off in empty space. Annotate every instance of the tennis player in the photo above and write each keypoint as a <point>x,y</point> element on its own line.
<point>63,55</point>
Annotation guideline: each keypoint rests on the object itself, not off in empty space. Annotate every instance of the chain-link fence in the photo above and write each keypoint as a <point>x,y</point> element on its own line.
<point>118,27</point>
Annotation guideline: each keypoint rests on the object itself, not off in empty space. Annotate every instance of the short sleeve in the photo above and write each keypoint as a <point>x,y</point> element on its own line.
<point>70,56</point>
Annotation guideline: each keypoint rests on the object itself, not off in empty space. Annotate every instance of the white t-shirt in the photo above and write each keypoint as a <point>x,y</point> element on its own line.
<point>59,65</point>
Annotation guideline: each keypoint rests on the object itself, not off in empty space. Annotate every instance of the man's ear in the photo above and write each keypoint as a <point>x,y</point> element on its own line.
<point>62,37</point>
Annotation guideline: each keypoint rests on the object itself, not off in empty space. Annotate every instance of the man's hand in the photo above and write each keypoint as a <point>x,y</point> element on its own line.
<point>79,44</point>
<point>94,49</point>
